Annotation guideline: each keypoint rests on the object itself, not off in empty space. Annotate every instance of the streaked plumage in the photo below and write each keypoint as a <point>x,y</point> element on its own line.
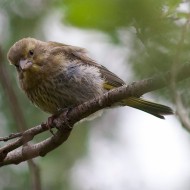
<point>55,76</point>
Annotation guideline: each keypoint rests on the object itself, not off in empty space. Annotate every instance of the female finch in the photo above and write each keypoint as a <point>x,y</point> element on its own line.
<point>55,76</point>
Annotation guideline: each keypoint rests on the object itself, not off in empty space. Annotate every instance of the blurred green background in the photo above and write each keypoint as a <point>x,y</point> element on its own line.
<point>134,38</point>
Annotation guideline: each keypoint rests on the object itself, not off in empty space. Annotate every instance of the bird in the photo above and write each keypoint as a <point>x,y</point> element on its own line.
<point>56,76</point>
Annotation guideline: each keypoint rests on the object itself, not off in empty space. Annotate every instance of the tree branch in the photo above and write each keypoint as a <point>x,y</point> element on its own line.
<point>18,151</point>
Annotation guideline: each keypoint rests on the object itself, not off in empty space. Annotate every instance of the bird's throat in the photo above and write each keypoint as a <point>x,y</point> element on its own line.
<point>29,80</point>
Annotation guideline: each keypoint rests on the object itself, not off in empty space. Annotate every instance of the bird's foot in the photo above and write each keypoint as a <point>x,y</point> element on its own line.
<point>48,125</point>
<point>65,112</point>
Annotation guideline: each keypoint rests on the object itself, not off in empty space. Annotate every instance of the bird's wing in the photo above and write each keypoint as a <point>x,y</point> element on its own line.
<point>111,80</point>
<point>74,52</point>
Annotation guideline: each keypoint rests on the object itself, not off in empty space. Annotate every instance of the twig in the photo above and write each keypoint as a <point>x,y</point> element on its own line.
<point>35,175</point>
<point>181,111</point>
<point>180,108</point>
<point>26,137</point>
<point>11,136</point>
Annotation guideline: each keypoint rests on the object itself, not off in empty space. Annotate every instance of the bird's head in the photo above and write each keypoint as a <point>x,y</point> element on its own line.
<point>27,55</point>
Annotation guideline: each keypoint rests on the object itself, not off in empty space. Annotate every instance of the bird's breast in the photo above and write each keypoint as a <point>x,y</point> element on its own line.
<point>64,88</point>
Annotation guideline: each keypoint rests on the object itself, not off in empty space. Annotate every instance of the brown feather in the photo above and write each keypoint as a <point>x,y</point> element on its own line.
<point>78,53</point>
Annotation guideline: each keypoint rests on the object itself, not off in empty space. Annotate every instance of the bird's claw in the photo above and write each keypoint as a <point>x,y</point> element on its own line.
<point>49,123</point>
<point>65,111</point>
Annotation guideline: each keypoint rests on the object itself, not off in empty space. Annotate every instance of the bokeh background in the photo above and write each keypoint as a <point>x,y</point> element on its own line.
<point>124,148</point>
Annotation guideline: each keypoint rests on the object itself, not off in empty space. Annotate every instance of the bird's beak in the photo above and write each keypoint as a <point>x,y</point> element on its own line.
<point>25,64</point>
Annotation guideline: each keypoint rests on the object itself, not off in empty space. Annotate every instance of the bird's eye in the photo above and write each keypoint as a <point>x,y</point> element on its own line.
<point>31,52</point>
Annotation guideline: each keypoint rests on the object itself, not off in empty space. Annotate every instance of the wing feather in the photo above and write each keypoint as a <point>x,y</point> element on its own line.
<point>73,52</point>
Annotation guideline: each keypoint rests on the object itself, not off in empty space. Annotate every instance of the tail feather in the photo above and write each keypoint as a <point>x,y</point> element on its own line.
<point>152,108</point>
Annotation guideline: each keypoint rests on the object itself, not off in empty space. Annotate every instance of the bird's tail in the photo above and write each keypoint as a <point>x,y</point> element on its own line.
<point>152,108</point>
